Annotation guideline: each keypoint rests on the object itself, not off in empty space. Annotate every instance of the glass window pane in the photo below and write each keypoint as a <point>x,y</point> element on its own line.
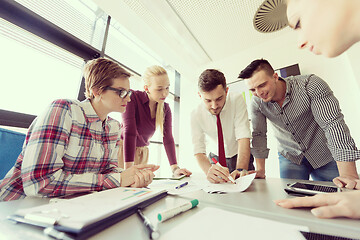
<point>81,18</point>
<point>125,48</point>
<point>171,73</point>
<point>34,72</point>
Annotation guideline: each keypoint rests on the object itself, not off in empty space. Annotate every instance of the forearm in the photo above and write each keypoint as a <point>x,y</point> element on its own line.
<point>55,184</point>
<point>170,152</point>
<point>243,153</point>
<point>174,167</point>
<point>260,164</point>
<point>347,169</point>
<point>203,162</point>
<point>128,165</point>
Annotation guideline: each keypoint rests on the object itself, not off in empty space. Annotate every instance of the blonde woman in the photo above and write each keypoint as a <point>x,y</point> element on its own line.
<point>146,112</point>
<point>73,146</point>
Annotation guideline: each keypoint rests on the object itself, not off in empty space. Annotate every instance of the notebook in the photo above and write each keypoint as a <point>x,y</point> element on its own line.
<point>172,177</point>
<point>84,216</point>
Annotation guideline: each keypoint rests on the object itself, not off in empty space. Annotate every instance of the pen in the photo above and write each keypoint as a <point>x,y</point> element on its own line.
<point>154,234</point>
<point>230,177</point>
<point>182,185</point>
<point>165,215</point>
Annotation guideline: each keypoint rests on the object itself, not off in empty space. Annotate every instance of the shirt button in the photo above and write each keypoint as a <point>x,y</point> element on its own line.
<point>287,124</point>
<point>293,133</point>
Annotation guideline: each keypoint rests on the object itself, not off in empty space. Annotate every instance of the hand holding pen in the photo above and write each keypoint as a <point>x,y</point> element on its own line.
<point>219,174</point>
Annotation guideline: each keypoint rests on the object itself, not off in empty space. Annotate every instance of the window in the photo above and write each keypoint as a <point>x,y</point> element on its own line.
<point>123,46</point>
<point>81,18</point>
<point>47,43</point>
<point>35,71</point>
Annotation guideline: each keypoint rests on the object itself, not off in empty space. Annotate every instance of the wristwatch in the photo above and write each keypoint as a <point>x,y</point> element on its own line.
<point>175,169</point>
<point>242,171</point>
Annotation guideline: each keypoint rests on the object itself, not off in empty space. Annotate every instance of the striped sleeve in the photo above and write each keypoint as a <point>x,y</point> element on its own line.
<point>259,131</point>
<point>327,114</point>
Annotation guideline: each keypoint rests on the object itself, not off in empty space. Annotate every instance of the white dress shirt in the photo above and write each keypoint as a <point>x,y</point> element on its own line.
<point>234,121</point>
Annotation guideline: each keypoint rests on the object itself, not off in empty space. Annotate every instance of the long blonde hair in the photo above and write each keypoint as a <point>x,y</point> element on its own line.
<point>151,72</point>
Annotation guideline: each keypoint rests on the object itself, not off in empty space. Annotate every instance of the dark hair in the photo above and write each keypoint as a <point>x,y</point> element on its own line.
<point>210,79</point>
<point>256,66</point>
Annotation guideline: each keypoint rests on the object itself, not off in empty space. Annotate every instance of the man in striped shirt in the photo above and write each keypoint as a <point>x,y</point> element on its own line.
<point>308,125</point>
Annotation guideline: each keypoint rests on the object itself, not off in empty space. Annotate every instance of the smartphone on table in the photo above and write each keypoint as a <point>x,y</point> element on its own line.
<point>310,188</point>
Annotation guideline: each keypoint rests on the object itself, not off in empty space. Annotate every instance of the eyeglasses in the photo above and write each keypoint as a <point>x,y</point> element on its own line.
<point>121,92</point>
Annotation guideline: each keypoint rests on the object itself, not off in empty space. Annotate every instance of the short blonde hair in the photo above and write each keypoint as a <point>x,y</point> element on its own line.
<point>99,73</point>
<point>150,72</point>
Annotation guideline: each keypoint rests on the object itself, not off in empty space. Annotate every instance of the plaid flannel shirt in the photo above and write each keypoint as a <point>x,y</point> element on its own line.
<point>67,150</point>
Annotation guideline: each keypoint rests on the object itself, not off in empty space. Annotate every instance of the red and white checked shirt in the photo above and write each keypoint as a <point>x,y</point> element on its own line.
<point>67,150</point>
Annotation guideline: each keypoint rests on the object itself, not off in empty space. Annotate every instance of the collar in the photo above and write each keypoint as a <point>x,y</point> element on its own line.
<point>288,87</point>
<point>90,114</point>
<point>227,103</point>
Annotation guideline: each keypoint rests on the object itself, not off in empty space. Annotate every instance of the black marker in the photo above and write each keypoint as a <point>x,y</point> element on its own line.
<point>154,234</point>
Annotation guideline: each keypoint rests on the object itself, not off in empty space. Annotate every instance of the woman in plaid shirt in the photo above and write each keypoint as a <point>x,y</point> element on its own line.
<point>73,146</point>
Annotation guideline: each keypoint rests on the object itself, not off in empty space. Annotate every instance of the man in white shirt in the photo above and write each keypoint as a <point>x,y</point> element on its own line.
<point>231,110</point>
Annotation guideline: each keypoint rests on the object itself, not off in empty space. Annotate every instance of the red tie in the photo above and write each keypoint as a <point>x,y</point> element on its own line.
<point>222,158</point>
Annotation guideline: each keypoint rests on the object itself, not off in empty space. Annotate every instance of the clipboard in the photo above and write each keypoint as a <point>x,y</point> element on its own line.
<point>84,216</point>
<point>169,177</point>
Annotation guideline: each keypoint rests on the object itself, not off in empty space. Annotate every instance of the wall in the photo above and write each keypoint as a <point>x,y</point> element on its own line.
<point>280,52</point>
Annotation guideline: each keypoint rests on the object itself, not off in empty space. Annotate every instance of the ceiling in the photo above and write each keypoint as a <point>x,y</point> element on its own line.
<point>197,31</point>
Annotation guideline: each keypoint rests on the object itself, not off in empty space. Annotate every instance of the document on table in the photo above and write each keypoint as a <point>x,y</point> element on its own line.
<point>197,184</point>
<point>202,226</point>
<point>241,185</point>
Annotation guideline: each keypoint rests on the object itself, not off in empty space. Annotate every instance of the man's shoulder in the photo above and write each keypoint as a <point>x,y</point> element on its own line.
<point>235,99</point>
<point>308,82</point>
<point>301,79</point>
<point>235,95</point>
<point>198,111</point>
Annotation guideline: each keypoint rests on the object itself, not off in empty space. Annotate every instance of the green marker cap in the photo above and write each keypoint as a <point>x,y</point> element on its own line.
<point>194,203</point>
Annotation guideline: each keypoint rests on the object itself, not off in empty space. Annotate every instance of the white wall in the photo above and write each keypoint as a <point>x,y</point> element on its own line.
<point>281,52</point>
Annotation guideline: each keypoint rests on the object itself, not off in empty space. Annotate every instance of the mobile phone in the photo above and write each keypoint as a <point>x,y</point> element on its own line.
<point>310,188</point>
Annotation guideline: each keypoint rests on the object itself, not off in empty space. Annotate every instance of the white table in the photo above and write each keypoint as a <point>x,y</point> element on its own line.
<point>256,201</point>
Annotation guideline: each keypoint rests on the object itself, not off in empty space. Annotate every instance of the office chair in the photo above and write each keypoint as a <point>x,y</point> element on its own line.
<point>11,143</point>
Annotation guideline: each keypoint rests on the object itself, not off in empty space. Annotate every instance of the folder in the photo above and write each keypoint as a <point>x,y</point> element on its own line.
<point>87,215</point>
<point>168,177</point>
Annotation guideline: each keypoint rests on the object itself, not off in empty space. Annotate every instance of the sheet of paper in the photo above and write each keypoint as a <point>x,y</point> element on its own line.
<point>241,185</point>
<point>214,224</point>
